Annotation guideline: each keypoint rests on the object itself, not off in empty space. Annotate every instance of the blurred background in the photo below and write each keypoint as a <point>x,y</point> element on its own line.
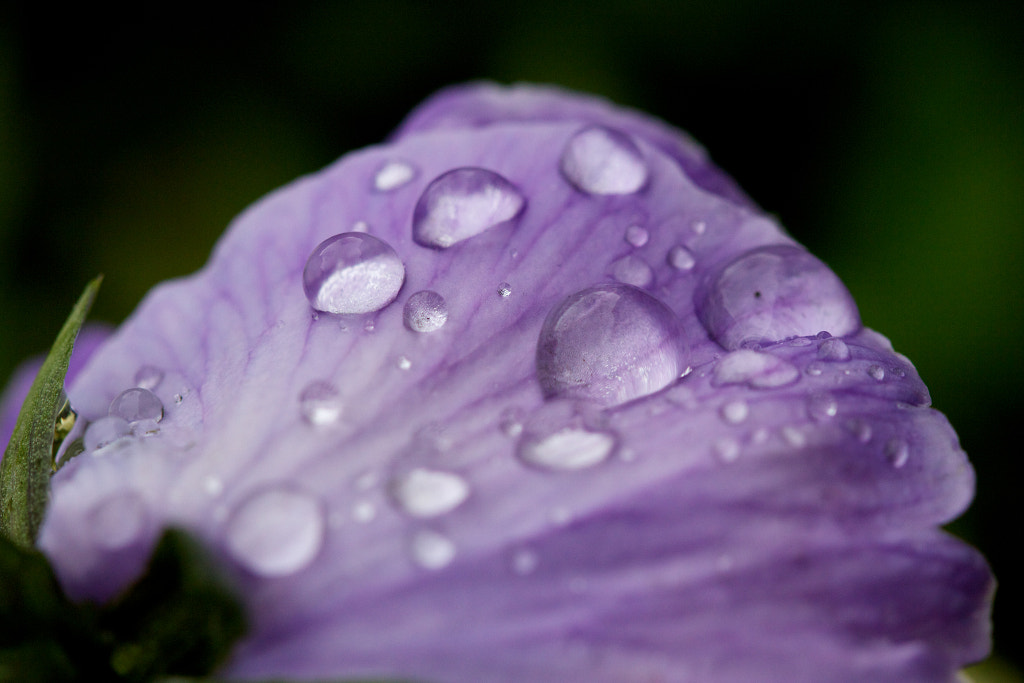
<point>886,136</point>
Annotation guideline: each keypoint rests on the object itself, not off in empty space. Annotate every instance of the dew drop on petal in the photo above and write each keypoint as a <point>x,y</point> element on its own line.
<point>681,258</point>
<point>276,532</point>
<point>860,429</point>
<point>320,404</point>
<point>735,412</point>
<point>637,236</point>
<point>105,431</point>
<point>511,422</point>
<point>149,377</point>
<point>352,273</point>
<point>404,363</point>
<point>794,437</point>
<point>425,311</point>
<point>463,203</point>
<point>611,343</point>
<point>755,369</point>
<point>897,452</point>
<point>432,550</point>
<point>137,404</point>
<point>834,349</point>
<point>774,293</point>
<point>601,160</point>
<point>633,270</point>
<point>571,448</point>
<point>429,493</point>
<point>364,511</point>
<point>822,407</point>
<point>393,175</point>
<point>876,372</point>
<point>727,449</point>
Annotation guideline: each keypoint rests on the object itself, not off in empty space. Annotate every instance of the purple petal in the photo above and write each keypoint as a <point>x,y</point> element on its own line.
<point>609,495</point>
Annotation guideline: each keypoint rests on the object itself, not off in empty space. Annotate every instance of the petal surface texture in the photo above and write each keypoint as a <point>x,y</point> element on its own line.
<point>559,452</point>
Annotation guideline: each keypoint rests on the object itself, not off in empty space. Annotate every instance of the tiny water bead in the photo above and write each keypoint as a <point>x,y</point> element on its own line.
<point>681,258</point>
<point>106,431</point>
<point>276,532</point>
<point>320,404</point>
<point>504,290</point>
<point>755,369</point>
<point>571,448</point>
<point>611,344</point>
<point>429,493</point>
<point>393,175</point>
<point>352,273</point>
<point>774,293</point>
<point>603,161</point>
<point>822,406</point>
<point>425,311</point>
<point>137,404</point>
<point>735,412</point>
<point>432,550</point>
<point>633,270</point>
<point>463,203</point>
<point>637,236</point>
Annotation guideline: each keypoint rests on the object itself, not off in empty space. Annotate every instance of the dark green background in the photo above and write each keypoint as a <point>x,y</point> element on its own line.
<point>887,137</point>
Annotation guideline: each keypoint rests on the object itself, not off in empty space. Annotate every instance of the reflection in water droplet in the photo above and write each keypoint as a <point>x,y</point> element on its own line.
<point>319,403</point>
<point>276,532</point>
<point>117,520</point>
<point>601,160</point>
<point>463,203</point>
<point>352,273</point>
<point>432,550</point>
<point>393,175</point>
<point>611,344</point>
<point>633,270</point>
<point>504,290</point>
<point>425,311</point>
<point>637,236</point>
<point>877,372</point>
<point>822,406</point>
<point>148,377</point>
<point>755,369</point>
<point>834,350</point>
<point>137,404</point>
<point>897,452</point>
<point>429,493</point>
<point>571,448</point>
<point>106,431</point>
<point>735,412</point>
<point>681,258</point>
<point>774,293</point>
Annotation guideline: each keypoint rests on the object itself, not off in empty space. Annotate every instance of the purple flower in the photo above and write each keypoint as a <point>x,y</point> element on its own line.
<point>532,393</point>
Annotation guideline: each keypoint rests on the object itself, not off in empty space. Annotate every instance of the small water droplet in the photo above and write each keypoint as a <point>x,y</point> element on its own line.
<point>524,562</point>
<point>106,431</point>
<point>364,511</point>
<point>148,377</point>
<point>600,160</point>
<point>681,258</point>
<point>504,290</point>
<point>393,175</point>
<point>834,349</point>
<point>511,422</point>
<point>897,452</point>
<point>137,404</point>
<point>425,311</point>
<point>860,429</point>
<point>178,398</point>
<point>774,293</point>
<point>429,493</point>
<point>369,326</point>
<point>633,270</point>
<point>735,412</point>
<point>404,363</point>
<point>571,448</point>
<point>352,273</point>
<point>432,550</point>
<point>699,227</point>
<point>727,449</point>
<point>117,520</point>
<point>637,236</point>
<point>213,485</point>
<point>794,437</point>
<point>319,403</point>
<point>755,369</point>
<point>463,203</point>
<point>276,532</point>
<point>360,226</point>
<point>611,344</point>
<point>822,407</point>
<point>815,369</point>
<point>876,372</point>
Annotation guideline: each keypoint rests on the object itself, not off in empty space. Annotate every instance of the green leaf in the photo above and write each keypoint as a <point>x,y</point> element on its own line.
<point>28,460</point>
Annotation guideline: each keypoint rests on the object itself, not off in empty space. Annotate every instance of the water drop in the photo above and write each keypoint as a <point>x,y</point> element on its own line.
<point>601,160</point>
<point>822,407</point>
<point>735,412</point>
<point>637,236</point>
<point>681,258</point>
<point>432,550</point>
<point>755,369</point>
<point>571,448</point>
<point>524,562</point>
<point>149,377</point>
<point>213,485</point>
<point>504,290</point>
<point>429,493</point>
<point>727,449</point>
<point>320,404</point>
<point>699,227</point>
<point>633,270</point>
<point>794,437</point>
<point>511,422</point>
<point>137,404</point>
<point>860,429</point>
<point>463,203</point>
<point>364,511</point>
<point>276,532</point>
<point>815,369</point>
<point>876,372</point>
<point>393,175</point>
<point>117,520</point>
<point>897,452</point>
<point>404,363</point>
<point>774,293</point>
<point>425,311</point>
<point>611,344</point>
<point>352,273</point>
<point>106,431</point>
<point>834,349</point>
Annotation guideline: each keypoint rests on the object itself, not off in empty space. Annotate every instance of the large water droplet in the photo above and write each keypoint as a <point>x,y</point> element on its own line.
<point>756,369</point>
<point>393,175</point>
<point>105,431</point>
<point>320,404</point>
<point>352,273</point>
<point>774,293</point>
<point>276,532</point>
<point>611,344</point>
<point>571,448</point>
<point>425,311</point>
<point>432,550</point>
<point>429,493</point>
<point>137,404</point>
<point>461,204</point>
<point>834,349</point>
<point>601,160</point>
<point>118,520</point>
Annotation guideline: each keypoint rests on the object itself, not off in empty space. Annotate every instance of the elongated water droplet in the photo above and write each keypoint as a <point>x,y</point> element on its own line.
<point>432,550</point>
<point>393,175</point>
<point>681,258</point>
<point>425,311</point>
<point>137,404</point>
<point>276,532</point>
<point>774,293</point>
<point>637,236</point>
<point>149,377</point>
<point>106,431</point>
<point>571,448</point>
<point>897,452</point>
<point>463,203</point>
<point>118,520</point>
<point>429,493</point>
<point>755,369</point>
<point>834,350</point>
<point>352,273</point>
<point>320,404</point>
<point>601,160</point>
<point>611,344</point>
